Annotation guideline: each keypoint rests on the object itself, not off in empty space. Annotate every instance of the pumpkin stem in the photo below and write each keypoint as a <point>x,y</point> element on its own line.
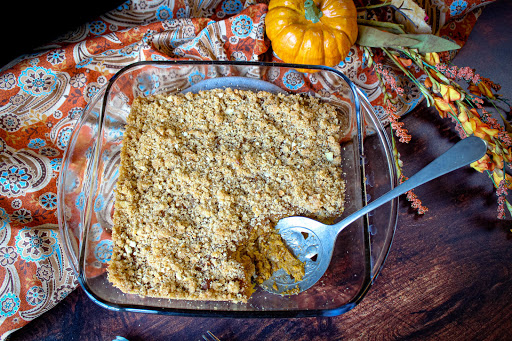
<point>312,12</point>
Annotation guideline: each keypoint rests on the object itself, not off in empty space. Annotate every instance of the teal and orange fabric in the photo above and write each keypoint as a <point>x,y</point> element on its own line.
<point>43,94</point>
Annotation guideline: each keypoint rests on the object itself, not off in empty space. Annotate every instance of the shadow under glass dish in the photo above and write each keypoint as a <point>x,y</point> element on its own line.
<point>90,170</point>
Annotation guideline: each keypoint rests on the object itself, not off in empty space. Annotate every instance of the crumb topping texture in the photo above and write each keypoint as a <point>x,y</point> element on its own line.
<point>203,180</point>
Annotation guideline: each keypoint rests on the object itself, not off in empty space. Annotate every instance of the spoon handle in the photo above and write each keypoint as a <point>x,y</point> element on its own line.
<point>462,153</point>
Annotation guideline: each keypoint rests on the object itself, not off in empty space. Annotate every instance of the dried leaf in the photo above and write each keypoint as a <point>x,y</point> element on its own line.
<point>384,25</point>
<point>432,43</point>
<point>506,124</point>
<point>509,207</point>
<point>374,37</point>
<point>409,13</point>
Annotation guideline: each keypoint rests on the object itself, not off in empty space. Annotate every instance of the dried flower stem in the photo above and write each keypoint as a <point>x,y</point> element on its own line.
<point>397,128</point>
<point>467,111</point>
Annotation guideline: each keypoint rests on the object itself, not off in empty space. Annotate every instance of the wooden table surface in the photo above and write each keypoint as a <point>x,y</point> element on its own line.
<point>448,275</point>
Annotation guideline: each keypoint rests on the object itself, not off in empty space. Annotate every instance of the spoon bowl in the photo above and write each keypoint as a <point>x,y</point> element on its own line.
<point>313,242</point>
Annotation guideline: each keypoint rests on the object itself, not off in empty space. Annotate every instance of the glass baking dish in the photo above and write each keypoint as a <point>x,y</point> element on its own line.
<point>90,169</point>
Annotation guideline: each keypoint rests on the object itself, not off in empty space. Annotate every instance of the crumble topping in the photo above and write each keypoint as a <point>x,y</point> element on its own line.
<point>203,180</point>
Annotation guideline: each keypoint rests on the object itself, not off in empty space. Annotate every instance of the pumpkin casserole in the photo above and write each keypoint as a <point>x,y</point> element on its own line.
<point>202,182</point>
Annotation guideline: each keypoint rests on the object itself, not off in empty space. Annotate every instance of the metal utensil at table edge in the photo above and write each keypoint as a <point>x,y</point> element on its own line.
<point>316,250</point>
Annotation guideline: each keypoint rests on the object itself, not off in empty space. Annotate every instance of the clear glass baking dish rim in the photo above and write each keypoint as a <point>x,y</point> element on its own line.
<point>360,102</point>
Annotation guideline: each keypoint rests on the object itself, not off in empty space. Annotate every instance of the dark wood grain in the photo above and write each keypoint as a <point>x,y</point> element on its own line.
<point>447,277</point>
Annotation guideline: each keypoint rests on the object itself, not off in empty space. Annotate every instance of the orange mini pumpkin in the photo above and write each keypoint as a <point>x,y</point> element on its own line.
<point>315,32</point>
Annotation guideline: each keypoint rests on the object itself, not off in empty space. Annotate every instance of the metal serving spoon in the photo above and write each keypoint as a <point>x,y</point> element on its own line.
<point>316,249</point>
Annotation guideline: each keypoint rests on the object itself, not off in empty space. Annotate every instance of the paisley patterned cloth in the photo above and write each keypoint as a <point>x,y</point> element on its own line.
<point>43,94</point>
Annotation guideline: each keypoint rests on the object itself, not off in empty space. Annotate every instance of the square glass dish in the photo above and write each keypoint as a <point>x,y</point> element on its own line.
<point>90,170</point>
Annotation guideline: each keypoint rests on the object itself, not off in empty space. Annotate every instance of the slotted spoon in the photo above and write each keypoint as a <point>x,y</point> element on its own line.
<point>313,242</point>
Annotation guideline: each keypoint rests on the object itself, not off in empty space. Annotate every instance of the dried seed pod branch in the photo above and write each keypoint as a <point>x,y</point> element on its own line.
<point>397,128</point>
<point>466,110</point>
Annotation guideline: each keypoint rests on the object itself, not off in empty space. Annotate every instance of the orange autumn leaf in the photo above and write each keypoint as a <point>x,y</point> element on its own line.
<point>497,176</point>
<point>474,112</point>
<point>434,75</point>
<point>484,131</point>
<point>449,93</point>
<point>476,127</point>
<point>432,58</point>
<point>405,62</point>
<point>480,129</point>
<point>473,89</point>
<point>497,160</point>
<point>507,154</point>
<point>485,90</point>
<point>469,127</point>
<point>481,90</point>
<point>444,107</point>
<point>483,164</point>
<point>464,114</point>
